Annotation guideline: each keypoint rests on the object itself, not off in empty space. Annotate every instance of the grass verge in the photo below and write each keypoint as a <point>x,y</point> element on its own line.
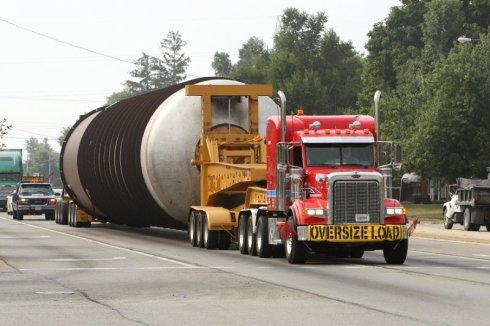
<point>426,212</point>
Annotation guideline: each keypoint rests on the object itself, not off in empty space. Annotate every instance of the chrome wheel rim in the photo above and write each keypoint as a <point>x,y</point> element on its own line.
<point>289,246</point>
<point>206,232</point>
<point>241,238</point>
<point>191,228</point>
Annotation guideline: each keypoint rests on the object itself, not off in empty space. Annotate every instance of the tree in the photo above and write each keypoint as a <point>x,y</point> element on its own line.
<point>174,60</point>
<point>222,64</point>
<point>452,131</point>
<point>61,138</point>
<point>152,72</point>
<point>409,60</point>
<point>443,23</point>
<point>42,159</point>
<point>253,62</point>
<point>391,44</point>
<point>313,66</point>
<point>4,129</point>
<point>143,75</point>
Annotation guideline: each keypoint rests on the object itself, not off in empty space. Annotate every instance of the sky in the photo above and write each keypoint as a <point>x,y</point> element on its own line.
<point>46,85</point>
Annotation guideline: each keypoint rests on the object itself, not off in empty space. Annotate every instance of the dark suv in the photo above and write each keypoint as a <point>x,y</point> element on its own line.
<point>33,199</point>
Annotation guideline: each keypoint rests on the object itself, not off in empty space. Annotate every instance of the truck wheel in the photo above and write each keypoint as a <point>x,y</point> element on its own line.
<point>296,251</point>
<point>242,234</point>
<point>63,215</point>
<point>468,226</point>
<point>488,227</point>
<point>210,238</point>
<point>192,229</point>
<point>20,216</point>
<point>396,253</point>
<point>262,238</point>
<point>448,224</point>
<point>357,253</point>
<point>251,239</point>
<point>199,229</point>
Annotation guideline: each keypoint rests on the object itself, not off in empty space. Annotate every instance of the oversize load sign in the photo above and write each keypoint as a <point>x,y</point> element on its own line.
<point>355,233</point>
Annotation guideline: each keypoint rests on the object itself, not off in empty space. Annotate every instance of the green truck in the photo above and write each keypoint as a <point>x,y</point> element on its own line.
<point>10,173</point>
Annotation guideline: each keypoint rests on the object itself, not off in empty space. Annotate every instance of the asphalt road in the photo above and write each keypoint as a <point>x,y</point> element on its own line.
<point>53,274</point>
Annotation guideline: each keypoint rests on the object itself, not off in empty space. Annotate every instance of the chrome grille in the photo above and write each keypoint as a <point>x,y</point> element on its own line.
<point>38,201</point>
<point>356,197</point>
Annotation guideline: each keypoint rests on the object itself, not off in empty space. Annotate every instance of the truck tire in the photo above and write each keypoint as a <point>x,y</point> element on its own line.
<point>396,253</point>
<point>210,238</point>
<point>20,216</point>
<point>488,227</point>
<point>468,226</point>
<point>262,238</point>
<point>63,215</point>
<point>242,234</point>
<point>251,239</point>
<point>199,230</point>
<point>448,224</point>
<point>296,251</point>
<point>49,216</point>
<point>191,232</point>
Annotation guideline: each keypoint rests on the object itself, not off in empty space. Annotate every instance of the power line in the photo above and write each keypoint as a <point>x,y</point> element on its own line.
<point>47,99</point>
<point>64,42</point>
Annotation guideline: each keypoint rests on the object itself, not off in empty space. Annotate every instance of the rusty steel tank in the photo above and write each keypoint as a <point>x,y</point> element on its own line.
<point>129,163</point>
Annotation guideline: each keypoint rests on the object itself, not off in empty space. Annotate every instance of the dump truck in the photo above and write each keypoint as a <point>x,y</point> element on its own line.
<point>311,185</point>
<point>469,205</point>
<point>10,173</point>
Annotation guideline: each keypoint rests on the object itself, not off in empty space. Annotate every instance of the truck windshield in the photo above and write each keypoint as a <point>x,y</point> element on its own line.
<point>339,154</point>
<point>29,190</point>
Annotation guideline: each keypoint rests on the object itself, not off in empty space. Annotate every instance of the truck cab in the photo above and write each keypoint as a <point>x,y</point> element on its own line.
<point>324,190</point>
<point>10,173</point>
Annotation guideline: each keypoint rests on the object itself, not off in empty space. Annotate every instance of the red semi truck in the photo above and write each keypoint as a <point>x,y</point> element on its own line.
<point>313,185</point>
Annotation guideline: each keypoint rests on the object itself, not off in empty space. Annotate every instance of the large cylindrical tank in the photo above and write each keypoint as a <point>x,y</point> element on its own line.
<point>129,163</point>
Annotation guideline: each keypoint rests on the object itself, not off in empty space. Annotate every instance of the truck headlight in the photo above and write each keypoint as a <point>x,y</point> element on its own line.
<point>396,211</point>
<point>315,211</point>
<point>23,200</point>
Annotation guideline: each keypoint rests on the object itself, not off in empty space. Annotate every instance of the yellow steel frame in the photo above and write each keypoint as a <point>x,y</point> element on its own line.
<point>230,160</point>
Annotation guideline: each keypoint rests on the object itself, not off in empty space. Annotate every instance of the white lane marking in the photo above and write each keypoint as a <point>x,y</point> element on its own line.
<point>24,237</point>
<point>83,259</point>
<point>448,255</point>
<point>480,255</point>
<point>54,292</point>
<point>453,241</point>
<point>169,260</point>
<point>122,268</point>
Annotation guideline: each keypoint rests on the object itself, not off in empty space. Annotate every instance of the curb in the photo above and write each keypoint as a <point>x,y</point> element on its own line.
<point>431,233</point>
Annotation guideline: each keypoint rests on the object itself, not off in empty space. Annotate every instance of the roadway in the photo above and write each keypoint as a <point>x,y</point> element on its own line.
<point>54,274</point>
